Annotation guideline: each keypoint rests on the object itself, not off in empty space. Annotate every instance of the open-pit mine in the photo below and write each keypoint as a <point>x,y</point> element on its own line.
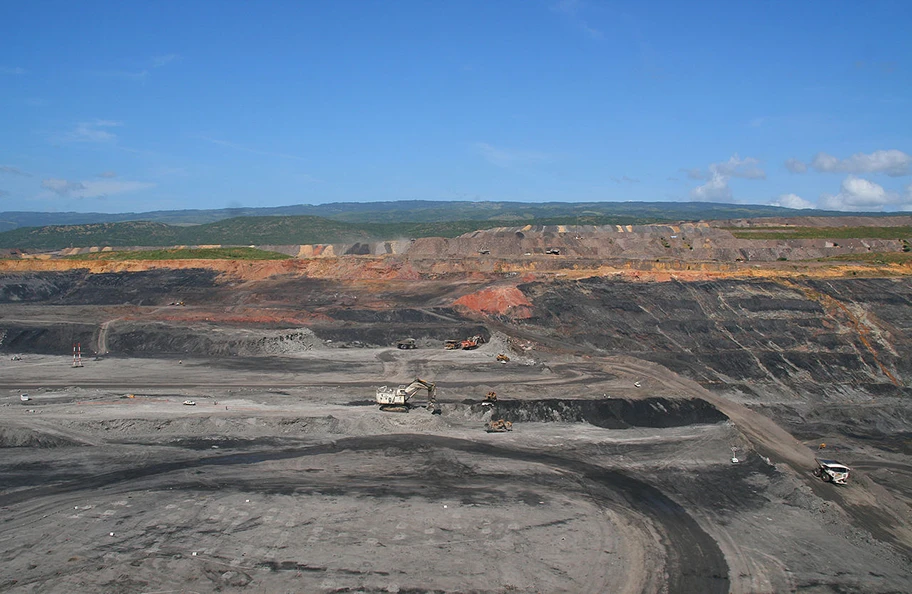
<point>211,426</point>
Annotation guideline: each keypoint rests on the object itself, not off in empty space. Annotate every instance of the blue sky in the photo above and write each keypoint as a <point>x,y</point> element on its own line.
<point>137,106</point>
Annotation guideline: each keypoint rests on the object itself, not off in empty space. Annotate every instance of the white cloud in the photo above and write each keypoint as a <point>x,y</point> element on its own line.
<point>825,162</point>
<point>858,194</point>
<point>93,188</point>
<point>894,163</point>
<point>96,131</point>
<point>13,171</point>
<point>748,168</point>
<point>508,157</point>
<point>107,174</point>
<point>61,187</point>
<point>15,71</point>
<point>796,166</point>
<point>3,193</point>
<point>792,201</point>
<point>716,188</point>
<point>625,180</point>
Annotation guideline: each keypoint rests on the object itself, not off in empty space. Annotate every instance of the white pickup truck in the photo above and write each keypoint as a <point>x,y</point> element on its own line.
<point>831,471</point>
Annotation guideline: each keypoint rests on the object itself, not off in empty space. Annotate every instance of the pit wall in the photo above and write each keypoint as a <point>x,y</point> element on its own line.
<point>756,340</point>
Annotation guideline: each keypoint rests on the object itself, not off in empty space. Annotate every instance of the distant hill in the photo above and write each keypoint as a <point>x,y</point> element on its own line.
<point>416,211</point>
<point>343,222</point>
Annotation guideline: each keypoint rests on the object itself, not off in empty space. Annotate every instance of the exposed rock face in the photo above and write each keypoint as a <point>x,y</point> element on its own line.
<point>762,339</point>
<point>757,337</point>
<point>508,301</point>
<point>688,242</point>
<point>138,313</point>
<point>77,287</point>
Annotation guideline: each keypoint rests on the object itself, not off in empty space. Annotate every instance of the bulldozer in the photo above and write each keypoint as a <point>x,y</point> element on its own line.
<point>498,426</point>
<point>502,358</point>
<point>397,399</point>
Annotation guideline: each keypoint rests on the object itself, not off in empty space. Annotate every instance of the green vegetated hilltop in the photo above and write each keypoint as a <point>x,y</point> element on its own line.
<point>420,211</point>
<point>269,230</point>
<point>353,222</point>
<point>232,253</point>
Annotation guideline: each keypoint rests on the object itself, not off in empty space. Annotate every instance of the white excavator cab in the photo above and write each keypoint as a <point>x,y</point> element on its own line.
<point>397,399</point>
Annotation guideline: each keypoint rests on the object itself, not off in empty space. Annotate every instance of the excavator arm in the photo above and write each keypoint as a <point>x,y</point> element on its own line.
<point>416,386</point>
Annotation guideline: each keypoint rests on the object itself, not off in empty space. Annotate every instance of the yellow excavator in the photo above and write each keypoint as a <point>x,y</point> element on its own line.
<point>397,399</point>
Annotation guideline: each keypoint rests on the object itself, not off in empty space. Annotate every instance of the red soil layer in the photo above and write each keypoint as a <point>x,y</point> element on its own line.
<point>498,300</point>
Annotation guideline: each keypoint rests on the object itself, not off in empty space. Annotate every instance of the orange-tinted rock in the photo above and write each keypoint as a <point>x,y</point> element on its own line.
<point>508,301</point>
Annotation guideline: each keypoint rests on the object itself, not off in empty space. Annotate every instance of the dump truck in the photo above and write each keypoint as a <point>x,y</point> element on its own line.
<point>831,471</point>
<point>407,343</point>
